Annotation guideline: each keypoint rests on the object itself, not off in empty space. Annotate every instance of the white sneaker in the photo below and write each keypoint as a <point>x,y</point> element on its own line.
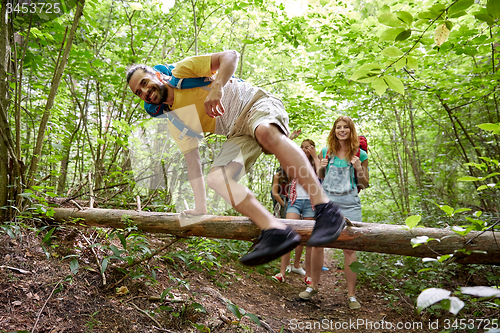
<point>353,303</point>
<point>299,270</point>
<point>308,293</point>
<point>288,269</point>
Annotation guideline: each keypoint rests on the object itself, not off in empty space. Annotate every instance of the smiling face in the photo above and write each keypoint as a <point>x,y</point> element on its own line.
<point>148,87</point>
<point>342,130</point>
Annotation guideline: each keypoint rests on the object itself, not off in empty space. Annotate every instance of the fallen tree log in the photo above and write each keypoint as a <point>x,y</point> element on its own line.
<point>369,237</point>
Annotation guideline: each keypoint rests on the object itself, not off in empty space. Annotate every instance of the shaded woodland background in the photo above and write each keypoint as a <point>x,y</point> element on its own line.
<point>419,78</point>
<point>67,111</point>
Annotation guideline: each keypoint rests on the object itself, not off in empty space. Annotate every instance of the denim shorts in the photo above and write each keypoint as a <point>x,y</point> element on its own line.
<point>241,145</point>
<point>301,207</point>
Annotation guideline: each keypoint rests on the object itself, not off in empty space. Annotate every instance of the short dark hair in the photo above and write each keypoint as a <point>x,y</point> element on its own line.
<point>145,68</point>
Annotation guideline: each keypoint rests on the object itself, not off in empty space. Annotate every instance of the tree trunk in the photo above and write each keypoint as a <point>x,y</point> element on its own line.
<point>370,237</point>
<point>4,103</point>
<point>58,72</point>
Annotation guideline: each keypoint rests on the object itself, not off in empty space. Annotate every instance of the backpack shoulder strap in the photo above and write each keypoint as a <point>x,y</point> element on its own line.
<point>185,83</point>
<point>181,126</point>
<point>157,112</point>
<point>325,152</point>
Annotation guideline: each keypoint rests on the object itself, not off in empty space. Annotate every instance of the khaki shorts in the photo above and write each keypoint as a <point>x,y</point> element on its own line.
<point>241,145</point>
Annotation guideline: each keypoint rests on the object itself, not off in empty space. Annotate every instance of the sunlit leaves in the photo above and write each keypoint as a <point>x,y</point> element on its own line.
<point>441,34</point>
<point>457,14</point>
<point>366,71</point>
<point>460,6</point>
<point>474,179</point>
<point>136,6</point>
<point>411,63</point>
<point>372,73</point>
<point>485,17</point>
<point>419,240</point>
<point>392,52</point>
<point>493,8</point>
<point>405,17</point>
<point>390,19</point>
<point>495,128</point>
<point>452,304</point>
<point>379,85</point>
<point>451,212</point>
<point>390,34</point>
<point>395,84</point>
<point>481,291</point>
<point>400,64</point>
<point>425,15</point>
<point>412,221</point>
<point>490,14</point>
<point>447,209</point>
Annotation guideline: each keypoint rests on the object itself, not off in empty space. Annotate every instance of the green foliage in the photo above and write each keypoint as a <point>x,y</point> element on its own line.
<point>240,313</point>
<point>320,61</point>
<point>200,254</point>
<point>451,303</point>
<point>420,80</point>
<point>12,229</point>
<point>412,221</point>
<point>92,322</point>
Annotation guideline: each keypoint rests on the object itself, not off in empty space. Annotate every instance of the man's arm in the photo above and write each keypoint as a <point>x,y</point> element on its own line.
<point>225,63</point>
<point>195,176</point>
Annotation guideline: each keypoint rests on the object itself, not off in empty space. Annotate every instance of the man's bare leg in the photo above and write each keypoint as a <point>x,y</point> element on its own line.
<point>293,159</point>
<point>221,180</point>
<point>276,239</point>
<point>329,221</point>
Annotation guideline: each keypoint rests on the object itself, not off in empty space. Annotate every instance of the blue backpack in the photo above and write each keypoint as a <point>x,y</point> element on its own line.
<point>187,83</point>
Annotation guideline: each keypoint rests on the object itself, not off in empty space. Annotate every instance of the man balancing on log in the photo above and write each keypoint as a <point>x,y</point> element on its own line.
<point>253,121</point>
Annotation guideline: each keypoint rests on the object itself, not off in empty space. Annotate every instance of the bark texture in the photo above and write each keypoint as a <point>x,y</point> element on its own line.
<point>369,237</point>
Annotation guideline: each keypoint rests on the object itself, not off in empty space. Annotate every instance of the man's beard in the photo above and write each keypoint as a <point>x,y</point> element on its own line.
<point>162,92</point>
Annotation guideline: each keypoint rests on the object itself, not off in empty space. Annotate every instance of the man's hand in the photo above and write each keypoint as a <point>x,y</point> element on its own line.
<point>213,104</point>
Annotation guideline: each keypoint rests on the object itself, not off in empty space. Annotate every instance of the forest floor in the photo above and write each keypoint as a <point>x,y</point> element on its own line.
<point>36,295</point>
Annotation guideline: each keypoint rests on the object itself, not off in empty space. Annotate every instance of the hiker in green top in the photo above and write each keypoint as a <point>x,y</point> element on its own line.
<point>253,121</point>
<point>338,169</point>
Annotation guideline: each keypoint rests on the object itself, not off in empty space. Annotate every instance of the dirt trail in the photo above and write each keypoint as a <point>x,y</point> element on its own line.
<point>83,305</point>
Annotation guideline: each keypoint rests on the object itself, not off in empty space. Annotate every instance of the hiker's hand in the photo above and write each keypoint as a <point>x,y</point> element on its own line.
<point>312,151</point>
<point>213,104</point>
<point>323,162</point>
<point>295,134</point>
<point>356,163</point>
